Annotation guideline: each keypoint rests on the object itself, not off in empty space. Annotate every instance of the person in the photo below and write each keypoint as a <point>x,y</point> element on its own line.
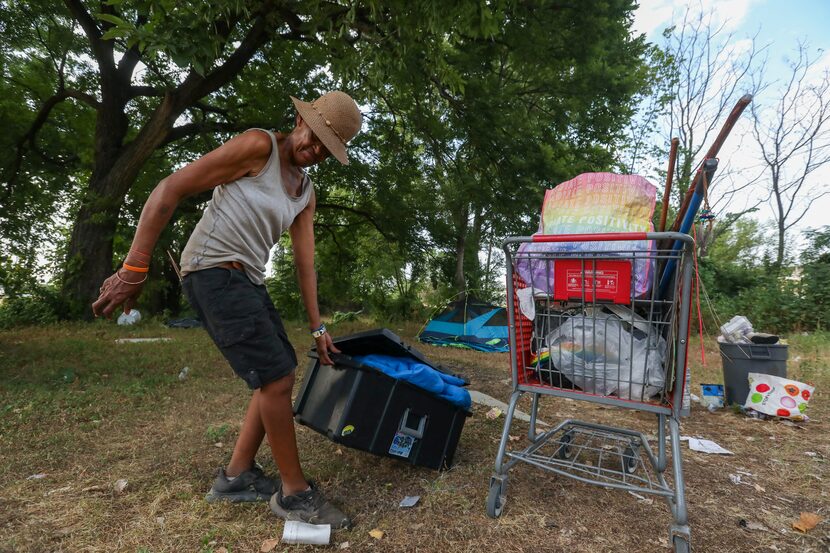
<point>260,190</point>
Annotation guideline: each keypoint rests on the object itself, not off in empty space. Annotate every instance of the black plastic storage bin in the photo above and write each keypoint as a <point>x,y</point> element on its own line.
<point>741,359</point>
<point>363,408</point>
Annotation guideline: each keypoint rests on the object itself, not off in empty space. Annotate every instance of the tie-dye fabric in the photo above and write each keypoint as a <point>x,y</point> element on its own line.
<point>589,204</point>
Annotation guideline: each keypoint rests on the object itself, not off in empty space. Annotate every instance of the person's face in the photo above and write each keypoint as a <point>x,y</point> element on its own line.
<point>308,150</point>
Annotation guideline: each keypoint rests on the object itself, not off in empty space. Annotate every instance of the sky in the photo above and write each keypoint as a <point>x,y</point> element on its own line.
<point>780,24</point>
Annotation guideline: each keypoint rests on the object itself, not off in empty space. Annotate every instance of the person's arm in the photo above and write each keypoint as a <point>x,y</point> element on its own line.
<point>242,155</point>
<point>302,243</point>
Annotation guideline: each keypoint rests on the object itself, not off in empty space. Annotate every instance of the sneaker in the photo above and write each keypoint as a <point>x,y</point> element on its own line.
<point>308,506</point>
<point>250,485</point>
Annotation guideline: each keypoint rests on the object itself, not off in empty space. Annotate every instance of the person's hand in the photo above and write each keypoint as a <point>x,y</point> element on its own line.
<point>324,346</point>
<point>122,288</point>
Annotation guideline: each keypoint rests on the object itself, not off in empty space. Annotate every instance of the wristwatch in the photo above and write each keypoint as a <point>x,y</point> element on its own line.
<point>319,331</point>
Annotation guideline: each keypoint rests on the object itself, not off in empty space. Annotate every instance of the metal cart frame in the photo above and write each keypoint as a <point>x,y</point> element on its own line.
<point>589,452</point>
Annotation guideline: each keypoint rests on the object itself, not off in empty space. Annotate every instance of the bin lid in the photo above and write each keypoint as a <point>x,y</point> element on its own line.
<point>383,341</point>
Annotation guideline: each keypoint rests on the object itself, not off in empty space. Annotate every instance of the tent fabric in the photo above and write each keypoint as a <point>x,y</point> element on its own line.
<point>470,325</point>
<point>445,386</point>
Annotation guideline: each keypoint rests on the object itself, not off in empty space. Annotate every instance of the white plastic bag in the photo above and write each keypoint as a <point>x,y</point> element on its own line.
<point>736,330</point>
<point>777,396</point>
<point>601,357</point>
<point>126,319</point>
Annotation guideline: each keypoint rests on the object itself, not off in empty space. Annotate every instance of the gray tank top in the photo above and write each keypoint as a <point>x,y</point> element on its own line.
<point>244,219</point>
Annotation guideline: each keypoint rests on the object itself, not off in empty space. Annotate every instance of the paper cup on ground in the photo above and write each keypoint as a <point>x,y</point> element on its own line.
<point>301,532</point>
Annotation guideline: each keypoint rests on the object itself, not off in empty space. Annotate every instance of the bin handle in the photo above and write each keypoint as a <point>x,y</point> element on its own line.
<point>760,352</point>
<point>414,432</point>
<point>341,360</point>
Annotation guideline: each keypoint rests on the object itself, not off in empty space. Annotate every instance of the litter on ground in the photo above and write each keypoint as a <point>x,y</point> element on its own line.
<point>296,532</point>
<point>409,501</point>
<point>707,446</point>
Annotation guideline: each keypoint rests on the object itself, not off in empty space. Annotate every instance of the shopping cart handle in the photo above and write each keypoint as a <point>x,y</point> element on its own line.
<point>600,237</point>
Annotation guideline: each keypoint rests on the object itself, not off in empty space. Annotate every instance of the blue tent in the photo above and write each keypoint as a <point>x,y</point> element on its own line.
<point>468,324</point>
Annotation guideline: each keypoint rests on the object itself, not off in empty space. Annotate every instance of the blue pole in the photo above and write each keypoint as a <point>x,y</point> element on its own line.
<point>701,183</point>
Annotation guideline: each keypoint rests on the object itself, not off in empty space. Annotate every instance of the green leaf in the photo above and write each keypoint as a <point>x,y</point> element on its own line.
<point>115,20</point>
<point>115,32</point>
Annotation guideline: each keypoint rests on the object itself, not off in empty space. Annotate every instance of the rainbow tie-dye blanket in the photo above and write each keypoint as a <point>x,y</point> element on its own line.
<point>593,203</point>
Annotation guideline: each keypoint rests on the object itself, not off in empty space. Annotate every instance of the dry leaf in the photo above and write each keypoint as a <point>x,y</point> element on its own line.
<point>339,451</point>
<point>759,489</point>
<point>222,549</point>
<point>218,444</point>
<point>377,534</point>
<point>269,545</point>
<point>120,485</point>
<point>344,545</point>
<point>806,522</point>
<point>513,438</point>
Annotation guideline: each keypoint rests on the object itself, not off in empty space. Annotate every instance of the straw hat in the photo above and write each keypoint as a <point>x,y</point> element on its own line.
<point>334,119</point>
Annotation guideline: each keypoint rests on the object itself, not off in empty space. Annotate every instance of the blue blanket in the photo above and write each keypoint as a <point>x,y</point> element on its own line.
<point>443,385</point>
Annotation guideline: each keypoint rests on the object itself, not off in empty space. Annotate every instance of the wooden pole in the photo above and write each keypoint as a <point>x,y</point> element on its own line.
<point>713,153</point>
<point>675,142</point>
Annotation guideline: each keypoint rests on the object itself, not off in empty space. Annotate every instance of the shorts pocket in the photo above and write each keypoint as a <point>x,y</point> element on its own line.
<point>214,283</point>
<point>234,331</point>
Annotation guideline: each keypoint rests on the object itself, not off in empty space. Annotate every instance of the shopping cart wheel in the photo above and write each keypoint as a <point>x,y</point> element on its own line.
<point>564,451</point>
<point>681,545</point>
<point>629,460</point>
<point>495,502</point>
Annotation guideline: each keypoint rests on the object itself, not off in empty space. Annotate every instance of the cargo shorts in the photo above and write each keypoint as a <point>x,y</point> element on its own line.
<point>244,324</point>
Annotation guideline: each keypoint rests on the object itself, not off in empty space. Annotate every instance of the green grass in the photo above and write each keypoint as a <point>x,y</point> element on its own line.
<point>86,411</point>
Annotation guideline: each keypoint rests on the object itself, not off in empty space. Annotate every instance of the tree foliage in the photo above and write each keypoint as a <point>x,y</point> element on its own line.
<point>472,108</point>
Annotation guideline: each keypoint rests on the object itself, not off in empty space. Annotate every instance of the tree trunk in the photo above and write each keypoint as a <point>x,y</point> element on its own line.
<point>779,259</point>
<point>89,256</point>
<point>460,246</point>
<point>89,259</point>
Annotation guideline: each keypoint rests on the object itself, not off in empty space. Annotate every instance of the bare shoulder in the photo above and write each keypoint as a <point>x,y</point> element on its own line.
<point>256,142</point>
<point>254,146</point>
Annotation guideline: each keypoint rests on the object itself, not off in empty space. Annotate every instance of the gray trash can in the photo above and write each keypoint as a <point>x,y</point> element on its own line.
<point>741,359</point>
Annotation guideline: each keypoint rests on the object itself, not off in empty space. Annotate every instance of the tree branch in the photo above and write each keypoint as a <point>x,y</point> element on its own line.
<point>88,99</point>
<point>100,48</point>
<point>37,124</point>
<point>131,57</point>
<point>196,86</point>
<point>140,90</point>
<point>364,214</point>
<point>191,129</point>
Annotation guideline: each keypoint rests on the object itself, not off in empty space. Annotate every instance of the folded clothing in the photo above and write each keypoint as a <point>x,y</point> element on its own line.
<point>445,386</point>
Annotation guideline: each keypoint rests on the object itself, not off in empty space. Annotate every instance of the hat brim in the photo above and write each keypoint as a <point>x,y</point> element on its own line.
<point>322,131</point>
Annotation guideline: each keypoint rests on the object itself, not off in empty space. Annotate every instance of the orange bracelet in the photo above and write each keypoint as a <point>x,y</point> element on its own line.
<point>136,269</point>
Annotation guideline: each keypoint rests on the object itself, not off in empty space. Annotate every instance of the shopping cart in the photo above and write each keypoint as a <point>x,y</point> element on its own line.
<point>592,326</point>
